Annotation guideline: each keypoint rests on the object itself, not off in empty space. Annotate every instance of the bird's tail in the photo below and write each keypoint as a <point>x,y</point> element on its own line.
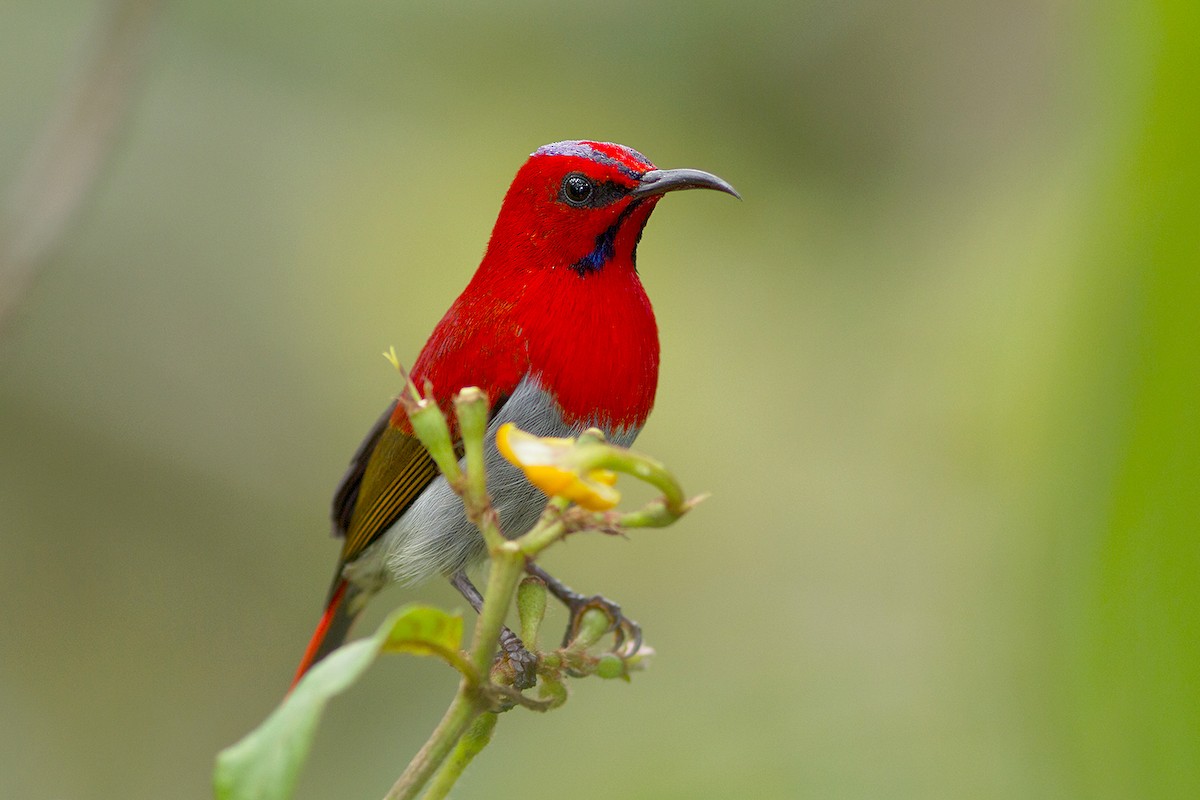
<point>340,613</point>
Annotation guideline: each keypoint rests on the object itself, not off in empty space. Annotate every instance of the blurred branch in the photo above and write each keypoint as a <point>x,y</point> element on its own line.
<point>65,160</point>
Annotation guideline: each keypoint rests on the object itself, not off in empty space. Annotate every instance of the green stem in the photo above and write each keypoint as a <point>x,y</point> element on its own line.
<point>471,408</point>
<point>469,746</point>
<point>642,467</point>
<point>463,710</point>
<point>506,568</point>
<point>542,536</point>
<point>508,562</point>
<point>657,514</point>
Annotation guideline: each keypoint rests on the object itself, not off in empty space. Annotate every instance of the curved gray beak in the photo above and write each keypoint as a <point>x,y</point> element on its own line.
<point>661,181</point>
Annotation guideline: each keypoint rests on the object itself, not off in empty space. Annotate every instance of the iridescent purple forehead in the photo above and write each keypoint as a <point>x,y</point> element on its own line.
<point>626,159</point>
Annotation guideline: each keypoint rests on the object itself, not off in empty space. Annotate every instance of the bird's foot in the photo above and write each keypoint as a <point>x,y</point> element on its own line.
<point>627,633</point>
<point>518,660</point>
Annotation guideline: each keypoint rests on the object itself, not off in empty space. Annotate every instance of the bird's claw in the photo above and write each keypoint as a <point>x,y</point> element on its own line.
<point>522,663</point>
<point>627,634</point>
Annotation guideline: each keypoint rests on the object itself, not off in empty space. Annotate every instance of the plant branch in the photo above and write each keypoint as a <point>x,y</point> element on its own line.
<point>463,711</point>
<point>473,741</point>
<point>508,563</point>
<point>471,409</point>
<point>467,726</point>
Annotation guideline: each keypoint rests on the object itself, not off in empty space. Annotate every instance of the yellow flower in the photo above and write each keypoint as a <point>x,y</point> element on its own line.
<point>551,465</point>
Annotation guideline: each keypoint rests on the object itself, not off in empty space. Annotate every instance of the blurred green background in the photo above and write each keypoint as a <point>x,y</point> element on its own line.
<point>939,370</point>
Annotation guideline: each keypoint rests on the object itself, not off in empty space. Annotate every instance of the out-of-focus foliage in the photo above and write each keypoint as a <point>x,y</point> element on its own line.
<point>264,765</point>
<point>939,370</point>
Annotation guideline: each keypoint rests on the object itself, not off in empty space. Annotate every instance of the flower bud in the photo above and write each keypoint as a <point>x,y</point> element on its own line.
<point>531,608</point>
<point>554,691</point>
<point>610,666</point>
<point>593,624</point>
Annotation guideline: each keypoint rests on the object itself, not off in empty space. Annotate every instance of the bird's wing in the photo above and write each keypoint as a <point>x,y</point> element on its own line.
<point>387,473</point>
<point>346,496</point>
<point>395,467</point>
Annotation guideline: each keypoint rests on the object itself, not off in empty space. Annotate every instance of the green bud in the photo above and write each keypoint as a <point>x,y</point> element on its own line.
<point>471,408</point>
<point>592,436</point>
<point>593,624</point>
<point>531,606</point>
<point>610,666</point>
<point>429,424</point>
<point>472,400</point>
<point>554,691</point>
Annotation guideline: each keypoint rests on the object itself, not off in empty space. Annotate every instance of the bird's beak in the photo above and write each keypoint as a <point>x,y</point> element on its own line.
<point>661,181</point>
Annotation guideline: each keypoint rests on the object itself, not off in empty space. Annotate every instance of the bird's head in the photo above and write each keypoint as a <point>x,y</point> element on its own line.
<point>582,205</point>
<point>557,298</point>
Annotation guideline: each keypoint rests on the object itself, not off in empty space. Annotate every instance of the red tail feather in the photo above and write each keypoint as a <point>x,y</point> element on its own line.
<point>318,637</point>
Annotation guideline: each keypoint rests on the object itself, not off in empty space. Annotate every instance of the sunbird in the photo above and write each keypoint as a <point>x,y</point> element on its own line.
<point>557,329</point>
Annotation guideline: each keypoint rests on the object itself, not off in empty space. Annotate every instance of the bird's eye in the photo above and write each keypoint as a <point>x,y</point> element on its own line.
<point>576,189</point>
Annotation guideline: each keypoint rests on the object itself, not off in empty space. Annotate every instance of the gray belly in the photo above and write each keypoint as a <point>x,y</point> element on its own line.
<point>433,535</point>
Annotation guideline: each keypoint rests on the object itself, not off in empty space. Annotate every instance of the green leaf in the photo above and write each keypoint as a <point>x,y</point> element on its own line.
<point>423,630</point>
<point>266,763</point>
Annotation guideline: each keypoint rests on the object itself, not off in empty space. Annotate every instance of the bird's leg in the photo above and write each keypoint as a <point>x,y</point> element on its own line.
<point>511,647</point>
<point>626,629</point>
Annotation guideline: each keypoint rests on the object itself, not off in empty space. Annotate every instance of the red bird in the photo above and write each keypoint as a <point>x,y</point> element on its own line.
<point>557,329</point>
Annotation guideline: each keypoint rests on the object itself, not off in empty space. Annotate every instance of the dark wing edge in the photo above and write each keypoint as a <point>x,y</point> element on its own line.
<point>346,496</point>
